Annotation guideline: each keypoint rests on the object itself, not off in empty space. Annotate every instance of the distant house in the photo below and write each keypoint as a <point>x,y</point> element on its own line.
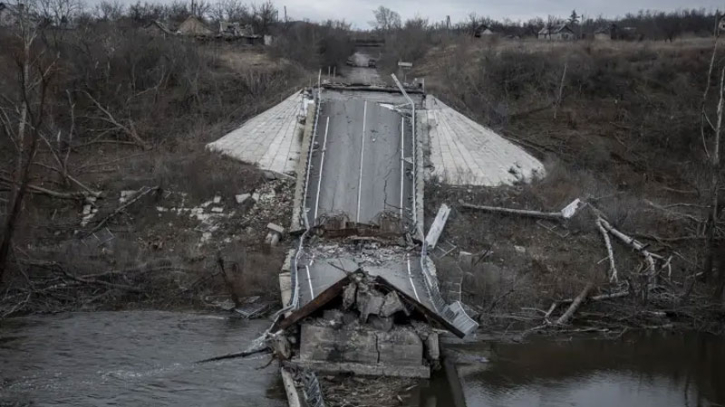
<point>604,33</point>
<point>482,31</point>
<point>158,29</point>
<point>193,26</point>
<point>560,33</point>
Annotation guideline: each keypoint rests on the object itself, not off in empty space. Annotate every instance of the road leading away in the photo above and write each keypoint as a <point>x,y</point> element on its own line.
<point>359,166</point>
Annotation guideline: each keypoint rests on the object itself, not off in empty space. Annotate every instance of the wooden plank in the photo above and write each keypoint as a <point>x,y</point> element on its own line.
<point>318,302</point>
<point>437,227</point>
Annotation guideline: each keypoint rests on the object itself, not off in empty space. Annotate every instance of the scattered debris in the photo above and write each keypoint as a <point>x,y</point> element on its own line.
<point>274,235</point>
<point>437,227</point>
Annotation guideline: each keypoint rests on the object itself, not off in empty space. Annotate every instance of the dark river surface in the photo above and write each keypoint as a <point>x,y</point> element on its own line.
<point>147,359</point>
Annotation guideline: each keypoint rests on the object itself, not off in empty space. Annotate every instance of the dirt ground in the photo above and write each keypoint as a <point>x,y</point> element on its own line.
<point>618,141</point>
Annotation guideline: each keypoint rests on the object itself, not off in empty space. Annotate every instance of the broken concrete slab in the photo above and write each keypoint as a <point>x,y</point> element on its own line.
<point>332,345</point>
<point>433,348</point>
<point>392,304</point>
<point>369,302</point>
<point>348,296</point>
<point>434,233</point>
<point>241,198</point>
<point>275,234</point>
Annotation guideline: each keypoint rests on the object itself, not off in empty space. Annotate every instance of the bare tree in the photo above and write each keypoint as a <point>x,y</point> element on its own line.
<point>58,12</point>
<point>109,10</point>
<point>23,120</point>
<point>264,15</point>
<point>386,19</point>
<point>229,10</point>
<point>715,163</point>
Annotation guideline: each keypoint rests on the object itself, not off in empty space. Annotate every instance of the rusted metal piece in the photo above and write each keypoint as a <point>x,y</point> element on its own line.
<point>316,303</point>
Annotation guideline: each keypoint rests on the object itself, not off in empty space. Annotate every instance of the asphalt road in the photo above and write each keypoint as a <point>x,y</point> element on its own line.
<point>357,167</point>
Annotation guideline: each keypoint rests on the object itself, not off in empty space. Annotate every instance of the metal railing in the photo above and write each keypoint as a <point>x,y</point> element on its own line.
<point>294,278</point>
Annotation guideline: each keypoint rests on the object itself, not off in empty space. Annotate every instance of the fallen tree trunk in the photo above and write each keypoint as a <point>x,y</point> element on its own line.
<point>139,194</point>
<point>521,212</point>
<point>564,319</point>
<point>633,243</point>
<point>610,252</point>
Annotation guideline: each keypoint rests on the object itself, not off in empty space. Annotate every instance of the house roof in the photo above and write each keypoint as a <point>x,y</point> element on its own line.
<point>159,25</point>
<point>556,30</point>
<point>194,25</point>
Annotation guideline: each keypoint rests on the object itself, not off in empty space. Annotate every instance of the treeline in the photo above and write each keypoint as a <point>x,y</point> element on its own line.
<point>263,17</point>
<point>647,24</point>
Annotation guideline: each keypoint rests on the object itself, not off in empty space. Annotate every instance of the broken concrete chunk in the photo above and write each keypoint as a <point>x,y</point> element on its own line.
<point>275,234</point>
<point>369,303</point>
<point>217,209</point>
<point>348,296</point>
<point>392,304</point>
<point>217,199</point>
<point>465,259</point>
<point>333,317</point>
<point>272,238</point>
<point>433,349</point>
<point>282,347</point>
<point>241,198</point>
<point>381,323</point>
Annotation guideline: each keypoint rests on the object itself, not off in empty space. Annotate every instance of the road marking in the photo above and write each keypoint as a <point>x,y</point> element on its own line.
<point>362,155</point>
<point>309,281</point>
<point>410,277</point>
<point>402,164</point>
<point>322,163</point>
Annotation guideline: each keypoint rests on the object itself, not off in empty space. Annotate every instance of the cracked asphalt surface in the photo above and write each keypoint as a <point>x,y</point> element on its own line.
<point>356,162</point>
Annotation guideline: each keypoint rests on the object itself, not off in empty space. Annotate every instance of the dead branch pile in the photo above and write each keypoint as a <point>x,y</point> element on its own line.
<point>650,296</point>
<point>54,287</point>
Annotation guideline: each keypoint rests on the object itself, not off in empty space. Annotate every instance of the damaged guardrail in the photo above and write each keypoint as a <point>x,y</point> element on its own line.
<point>453,313</point>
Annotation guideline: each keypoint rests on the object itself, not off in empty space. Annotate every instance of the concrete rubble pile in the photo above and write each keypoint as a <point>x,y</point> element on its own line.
<point>370,330</point>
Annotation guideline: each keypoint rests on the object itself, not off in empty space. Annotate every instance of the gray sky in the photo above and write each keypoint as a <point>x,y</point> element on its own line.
<point>359,12</point>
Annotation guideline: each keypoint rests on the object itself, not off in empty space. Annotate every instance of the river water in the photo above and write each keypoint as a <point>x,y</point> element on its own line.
<point>147,358</point>
<point>133,359</point>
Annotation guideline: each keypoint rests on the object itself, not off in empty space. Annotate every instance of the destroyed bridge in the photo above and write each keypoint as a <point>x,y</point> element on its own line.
<point>361,285</point>
<point>360,292</point>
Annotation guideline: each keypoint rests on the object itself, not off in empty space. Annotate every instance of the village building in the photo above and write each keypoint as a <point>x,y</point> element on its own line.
<point>157,29</point>
<point>604,33</point>
<point>194,26</point>
<point>482,31</point>
<point>560,33</point>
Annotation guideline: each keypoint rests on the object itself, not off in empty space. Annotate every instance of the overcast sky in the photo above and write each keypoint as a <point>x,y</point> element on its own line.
<point>359,12</point>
